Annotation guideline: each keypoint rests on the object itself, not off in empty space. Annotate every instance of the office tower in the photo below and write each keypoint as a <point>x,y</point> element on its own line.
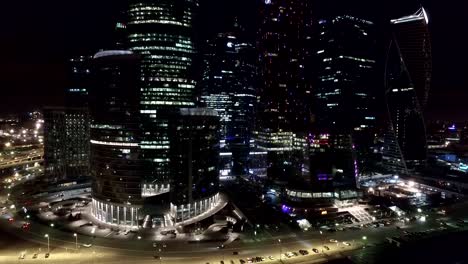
<point>161,33</point>
<point>345,94</point>
<point>116,158</point>
<point>283,53</point>
<point>66,143</point>
<point>54,143</point>
<point>407,79</point>
<point>284,94</point>
<point>194,162</point>
<point>79,82</point>
<point>228,86</point>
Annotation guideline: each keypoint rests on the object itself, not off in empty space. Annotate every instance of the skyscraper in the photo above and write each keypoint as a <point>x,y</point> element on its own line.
<point>345,94</point>
<point>76,93</point>
<point>284,95</point>
<point>66,143</point>
<point>194,162</point>
<point>228,86</point>
<point>282,38</point>
<point>116,156</point>
<point>407,81</point>
<point>161,32</point>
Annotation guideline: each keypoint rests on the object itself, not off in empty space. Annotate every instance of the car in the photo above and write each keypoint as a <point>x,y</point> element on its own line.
<point>326,247</point>
<point>303,252</point>
<point>271,258</point>
<point>11,219</point>
<point>35,256</point>
<point>315,250</point>
<point>156,257</point>
<point>220,246</point>
<point>26,226</point>
<point>232,261</point>
<point>22,255</point>
<point>87,245</point>
<point>47,255</point>
<point>221,262</point>
<point>333,241</point>
<point>235,253</point>
<point>241,261</point>
<point>346,243</point>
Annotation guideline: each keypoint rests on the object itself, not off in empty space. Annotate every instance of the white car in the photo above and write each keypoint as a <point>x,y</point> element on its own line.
<point>333,241</point>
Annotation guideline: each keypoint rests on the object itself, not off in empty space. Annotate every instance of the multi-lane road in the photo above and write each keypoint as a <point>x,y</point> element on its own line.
<point>14,240</point>
<point>129,250</point>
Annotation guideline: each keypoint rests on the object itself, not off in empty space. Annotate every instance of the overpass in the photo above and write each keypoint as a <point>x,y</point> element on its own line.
<point>19,161</point>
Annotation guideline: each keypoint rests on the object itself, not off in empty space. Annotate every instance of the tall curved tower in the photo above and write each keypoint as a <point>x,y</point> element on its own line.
<point>161,33</point>
<point>408,72</point>
<point>115,135</point>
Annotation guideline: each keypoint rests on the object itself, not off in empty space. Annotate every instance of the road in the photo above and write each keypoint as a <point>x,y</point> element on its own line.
<point>128,249</point>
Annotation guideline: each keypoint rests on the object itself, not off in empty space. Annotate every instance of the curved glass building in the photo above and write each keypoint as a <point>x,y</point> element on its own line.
<point>161,33</point>
<point>115,136</point>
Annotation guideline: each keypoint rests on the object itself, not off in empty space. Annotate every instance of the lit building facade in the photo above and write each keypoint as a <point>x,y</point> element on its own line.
<point>407,82</point>
<point>228,86</point>
<point>80,78</point>
<point>116,158</point>
<point>161,33</point>
<point>344,99</point>
<point>284,94</point>
<point>66,143</point>
<point>194,162</point>
<point>282,46</point>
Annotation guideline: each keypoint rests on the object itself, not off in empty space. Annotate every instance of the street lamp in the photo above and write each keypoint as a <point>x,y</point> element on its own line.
<point>48,242</point>
<point>281,249</point>
<point>364,238</point>
<point>76,241</point>
<point>321,238</point>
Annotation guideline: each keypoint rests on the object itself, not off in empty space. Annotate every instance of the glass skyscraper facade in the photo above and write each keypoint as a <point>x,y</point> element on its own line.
<point>116,158</point>
<point>228,86</point>
<point>194,162</point>
<point>345,93</point>
<point>283,36</point>
<point>407,81</point>
<point>161,32</point>
<point>284,94</point>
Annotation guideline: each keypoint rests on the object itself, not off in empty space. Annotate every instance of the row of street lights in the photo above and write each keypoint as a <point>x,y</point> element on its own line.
<point>48,241</point>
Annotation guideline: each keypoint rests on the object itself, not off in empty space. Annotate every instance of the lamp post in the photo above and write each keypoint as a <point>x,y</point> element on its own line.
<point>76,241</point>
<point>321,238</point>
<point>364,238</point>
<point>281,249</point>
<point>48,242</point>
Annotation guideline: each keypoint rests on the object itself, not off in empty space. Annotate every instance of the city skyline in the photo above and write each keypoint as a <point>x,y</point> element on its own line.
<point>233,132</point>
<point>41,51</point>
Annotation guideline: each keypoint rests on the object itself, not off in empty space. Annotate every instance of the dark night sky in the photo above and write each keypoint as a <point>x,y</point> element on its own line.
<point>38,36</point>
